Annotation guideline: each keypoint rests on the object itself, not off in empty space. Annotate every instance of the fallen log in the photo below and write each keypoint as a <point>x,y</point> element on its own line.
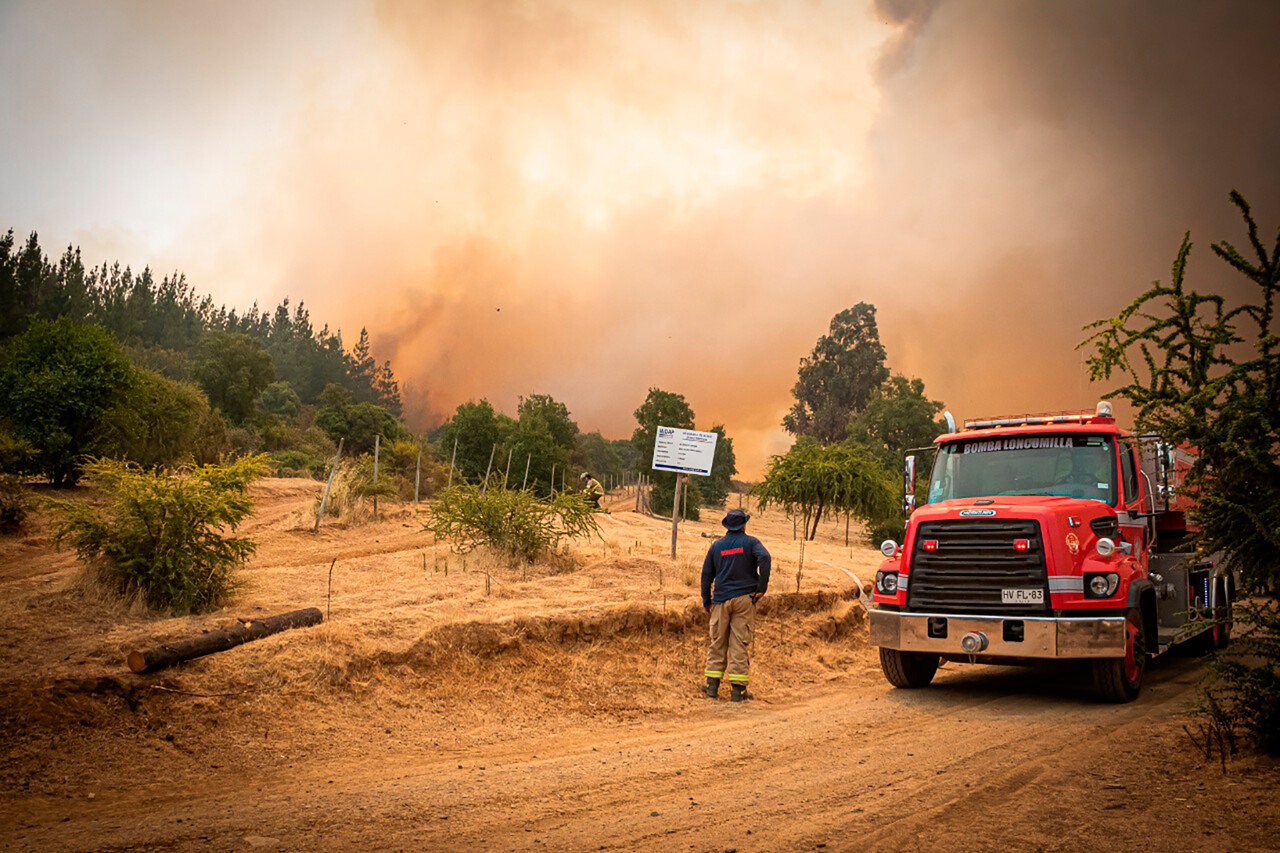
<point>150,660</point>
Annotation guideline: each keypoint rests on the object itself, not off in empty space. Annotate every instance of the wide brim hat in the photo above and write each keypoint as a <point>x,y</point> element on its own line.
<point>736,519</point>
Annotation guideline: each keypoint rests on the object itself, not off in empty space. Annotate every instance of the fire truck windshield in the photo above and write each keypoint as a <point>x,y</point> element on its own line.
<point>1076,466</point>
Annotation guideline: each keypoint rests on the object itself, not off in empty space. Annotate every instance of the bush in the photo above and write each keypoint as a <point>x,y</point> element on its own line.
<point>293,463</point>
<point>1242,694</point>
<point>513,522</point>
<point>244,441</point>
<point>358,424</point>
<point>57,381</point>
<point>279,398</point>
<point>161,537</point>
<point>399,465</point>
<point>163,422</point>
<point>663,496</point>
<point>15,503</point>
<point>885,528</point>
<point>352,488</point>
<point>14,452</point>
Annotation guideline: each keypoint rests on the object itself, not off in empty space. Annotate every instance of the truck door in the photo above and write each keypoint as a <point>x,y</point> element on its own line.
<point>1133,526</point>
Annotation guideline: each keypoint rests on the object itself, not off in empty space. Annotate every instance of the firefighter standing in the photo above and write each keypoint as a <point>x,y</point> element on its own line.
<point>592,489</point>
<point>737,565</point>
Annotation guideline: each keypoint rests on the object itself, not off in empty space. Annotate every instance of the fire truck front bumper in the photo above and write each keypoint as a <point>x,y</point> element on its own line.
<point>999,636</point>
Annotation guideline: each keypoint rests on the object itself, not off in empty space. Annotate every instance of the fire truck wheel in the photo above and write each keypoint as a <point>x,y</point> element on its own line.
<point>908,669</point>
<point>1120,679</point>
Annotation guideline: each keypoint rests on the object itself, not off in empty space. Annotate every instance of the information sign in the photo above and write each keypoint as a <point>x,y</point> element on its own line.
<point>684,451</point>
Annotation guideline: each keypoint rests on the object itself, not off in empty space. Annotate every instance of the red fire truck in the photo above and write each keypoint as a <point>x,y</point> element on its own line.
<point>1047,537</point>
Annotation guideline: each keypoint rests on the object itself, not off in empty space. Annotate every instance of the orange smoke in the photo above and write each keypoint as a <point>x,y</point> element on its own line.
<point>589,199</point>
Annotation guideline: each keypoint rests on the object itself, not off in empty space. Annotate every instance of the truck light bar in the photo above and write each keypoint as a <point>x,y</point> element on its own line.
<point>1102,414</point>
<point>1036,420</point>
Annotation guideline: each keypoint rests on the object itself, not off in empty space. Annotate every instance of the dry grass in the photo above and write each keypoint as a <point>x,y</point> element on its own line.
<point>411,630</point>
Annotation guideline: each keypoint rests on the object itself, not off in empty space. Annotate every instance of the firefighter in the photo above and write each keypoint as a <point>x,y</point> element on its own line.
<point>737,566</point>
<point>592,489</point>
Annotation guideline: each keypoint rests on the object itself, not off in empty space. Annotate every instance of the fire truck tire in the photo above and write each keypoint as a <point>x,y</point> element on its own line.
<point>908,669</point>
<point>1120,679</point>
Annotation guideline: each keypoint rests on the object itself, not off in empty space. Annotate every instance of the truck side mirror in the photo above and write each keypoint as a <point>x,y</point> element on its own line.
<point>909,485</point>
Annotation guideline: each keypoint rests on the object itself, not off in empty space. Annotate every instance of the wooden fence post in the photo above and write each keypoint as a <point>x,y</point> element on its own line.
<point>510,450</point>
<point>417,475</point>
<point>675,514</point>
<point>324,499</point>
<point>377,443</point>
<point>485,488</point>
<point>451,461</point>
<point>525,484</point>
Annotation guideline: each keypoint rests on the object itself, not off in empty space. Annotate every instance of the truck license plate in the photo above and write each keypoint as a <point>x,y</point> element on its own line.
<point>1022,596</point>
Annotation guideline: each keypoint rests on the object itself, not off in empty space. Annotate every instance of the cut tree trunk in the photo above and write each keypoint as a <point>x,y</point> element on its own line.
<point>150,660</point>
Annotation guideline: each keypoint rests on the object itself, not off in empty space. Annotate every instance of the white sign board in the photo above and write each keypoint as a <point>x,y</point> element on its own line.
<point>684,451</point>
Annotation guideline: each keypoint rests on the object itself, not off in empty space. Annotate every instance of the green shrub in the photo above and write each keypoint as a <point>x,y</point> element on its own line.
<point>161,537</point>
<point>293,463</point>
<point>15,503</point>
<point>279,398</point>
<point>663,496</point>
<point>1242,693</point>
<point>358,424</point>
<point>885,528</point>
<point>57,381</point>
<point>244,441</point>
<point>512,522</point>
<point>352,489</point>
<point>14,451</point>
<point>399,463</point>
<point>162,422</point>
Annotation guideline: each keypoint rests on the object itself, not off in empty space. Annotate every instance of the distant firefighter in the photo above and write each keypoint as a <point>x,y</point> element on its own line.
<point>591,488</point>
<point>737,567</point>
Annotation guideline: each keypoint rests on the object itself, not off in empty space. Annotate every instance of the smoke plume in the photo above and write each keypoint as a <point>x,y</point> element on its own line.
<point>589,199</point>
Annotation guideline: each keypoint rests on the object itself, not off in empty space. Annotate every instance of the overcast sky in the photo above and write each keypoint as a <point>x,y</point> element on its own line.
<point>588,199</point>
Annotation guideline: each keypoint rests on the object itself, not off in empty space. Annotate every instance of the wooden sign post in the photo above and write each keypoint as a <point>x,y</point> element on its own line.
<point>682,452</point>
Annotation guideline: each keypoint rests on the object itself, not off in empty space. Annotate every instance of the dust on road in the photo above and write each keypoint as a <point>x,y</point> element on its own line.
<point>431,716</point>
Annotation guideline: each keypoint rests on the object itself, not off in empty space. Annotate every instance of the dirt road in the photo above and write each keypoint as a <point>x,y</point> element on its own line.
<point>559,711</point>
<point>987,758</point>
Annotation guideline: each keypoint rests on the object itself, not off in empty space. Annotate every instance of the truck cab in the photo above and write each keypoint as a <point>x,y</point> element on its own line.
<point>1041,539</point>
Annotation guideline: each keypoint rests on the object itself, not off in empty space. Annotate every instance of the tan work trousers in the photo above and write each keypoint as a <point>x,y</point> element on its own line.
<point>732,624</point>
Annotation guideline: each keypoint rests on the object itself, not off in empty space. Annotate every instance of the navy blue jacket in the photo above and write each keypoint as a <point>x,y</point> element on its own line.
<point>739,565</point>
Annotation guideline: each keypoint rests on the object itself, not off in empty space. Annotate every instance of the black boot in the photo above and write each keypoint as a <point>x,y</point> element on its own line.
<point>712,688</point>
<point>738,693</point>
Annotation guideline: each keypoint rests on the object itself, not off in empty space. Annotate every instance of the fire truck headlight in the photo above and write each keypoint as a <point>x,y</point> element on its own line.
<point>888,547</point>
<point>1105,547</point>
<point>887,582</point>
<point>1101,585</point>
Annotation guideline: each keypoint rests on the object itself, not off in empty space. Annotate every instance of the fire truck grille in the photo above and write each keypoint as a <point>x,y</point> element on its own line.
<point>971,565</point>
